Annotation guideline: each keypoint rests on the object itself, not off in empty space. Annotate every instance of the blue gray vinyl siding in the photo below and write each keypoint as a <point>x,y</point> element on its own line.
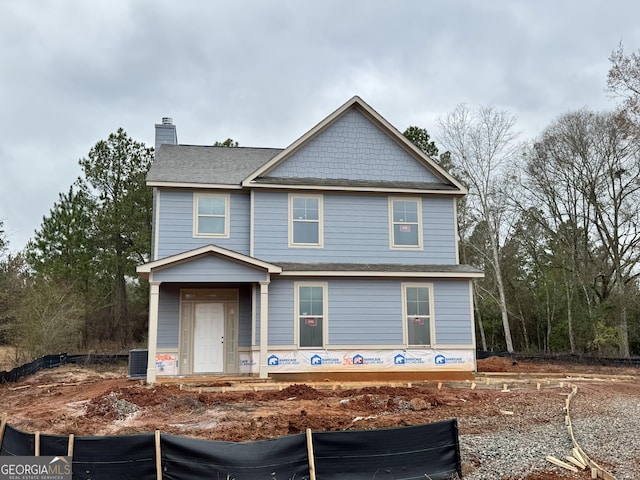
<point>360,312</point>
<point>452,310</point>
<point>356,230</point>
<point>210,268</point>
<point>369,312</point>
<point>169,316</point>
<point>175,224</point>
<point>281,313</point>
<point>354,148</point>
<point>244,316</point>
<point>364,312</point>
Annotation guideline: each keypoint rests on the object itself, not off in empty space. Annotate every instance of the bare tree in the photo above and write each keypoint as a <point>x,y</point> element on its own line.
<point>482,142</point>
<point>623,79</point>
<point>554,183</point>
<point>584,174</point>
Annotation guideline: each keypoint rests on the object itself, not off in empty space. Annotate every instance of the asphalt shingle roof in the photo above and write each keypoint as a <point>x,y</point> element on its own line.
<point>375,268</point>
<point>207,164</point>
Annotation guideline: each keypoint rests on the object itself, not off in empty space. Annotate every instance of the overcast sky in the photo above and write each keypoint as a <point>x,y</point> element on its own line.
<point>264,72</point>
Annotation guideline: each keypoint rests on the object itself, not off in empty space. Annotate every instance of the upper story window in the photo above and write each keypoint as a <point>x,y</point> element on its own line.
<point>211,215</point>
<point>417,306</point>
<point>305,220</point>
<point>311,319</point>
<point>405,227</point>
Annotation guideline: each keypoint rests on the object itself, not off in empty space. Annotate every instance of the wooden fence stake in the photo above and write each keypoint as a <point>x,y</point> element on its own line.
<point>576,462</point>
<point>578,455</point>
<point>560,463</point>
<point>158,457</point>
<point>3,424</point>
<point>37,444</point>
<point>312,461</point>
<point>70,446</point>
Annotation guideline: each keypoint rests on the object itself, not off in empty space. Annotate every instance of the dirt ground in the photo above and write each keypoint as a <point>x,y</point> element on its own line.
<point>102,401</point>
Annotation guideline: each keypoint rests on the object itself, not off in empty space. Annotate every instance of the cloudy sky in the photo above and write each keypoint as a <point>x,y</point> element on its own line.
<point>263,72</point>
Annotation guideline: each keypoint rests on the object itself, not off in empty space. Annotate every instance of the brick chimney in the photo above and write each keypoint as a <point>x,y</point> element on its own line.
<point>166,133</point>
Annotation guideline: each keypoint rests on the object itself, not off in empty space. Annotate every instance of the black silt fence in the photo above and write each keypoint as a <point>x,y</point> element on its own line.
<point>419,452</point>
<point>424,451</point>
<point>52,361</point>
<point>278,458</point>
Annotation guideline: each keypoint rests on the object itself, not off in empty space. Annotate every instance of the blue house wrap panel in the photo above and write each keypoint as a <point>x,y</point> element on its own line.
<point>354,148</point>
<point>210,268</point>
<point>356,230</point>
<point>452,310</point>
<point>175,224</point>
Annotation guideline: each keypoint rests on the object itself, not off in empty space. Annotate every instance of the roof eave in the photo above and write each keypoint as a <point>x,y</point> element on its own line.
<point>395,274</point>
<point>227,186</point>
<point>284,186</point>
<point>146,269</point>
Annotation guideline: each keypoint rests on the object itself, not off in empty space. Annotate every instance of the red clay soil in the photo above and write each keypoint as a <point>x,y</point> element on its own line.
<point>85,401</point>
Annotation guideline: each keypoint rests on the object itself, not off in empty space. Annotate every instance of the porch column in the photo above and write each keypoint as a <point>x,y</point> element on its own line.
<point>154,295</point>
<point>264,328</point>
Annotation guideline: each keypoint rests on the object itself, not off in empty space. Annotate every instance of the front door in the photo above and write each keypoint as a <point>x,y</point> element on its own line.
<point>208,338</point>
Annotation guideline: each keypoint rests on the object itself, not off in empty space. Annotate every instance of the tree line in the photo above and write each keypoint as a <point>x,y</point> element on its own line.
<point>553,222</point>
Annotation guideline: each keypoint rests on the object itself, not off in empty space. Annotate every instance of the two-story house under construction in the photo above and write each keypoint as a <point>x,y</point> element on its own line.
<point>334,257</point>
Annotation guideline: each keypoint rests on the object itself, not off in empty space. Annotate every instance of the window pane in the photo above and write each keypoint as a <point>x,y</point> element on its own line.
<point>310,300</point>
<point>305,209</point>
<point>211,225</point>
<point>405,235</point>
<point>311,331</point>
<point>405,211</point>
<point>305,232</point>
<point>412,294</point>
<point>417,301</point>
<point>211,206</point>
<point>418,330</point>
<point>418,315</point>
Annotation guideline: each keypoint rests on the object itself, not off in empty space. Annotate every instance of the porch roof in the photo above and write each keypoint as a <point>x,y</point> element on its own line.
<point>145,270</point>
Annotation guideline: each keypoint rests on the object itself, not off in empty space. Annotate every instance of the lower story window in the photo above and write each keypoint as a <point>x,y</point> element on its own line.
<point>311,317</point>
<point>417,313</point>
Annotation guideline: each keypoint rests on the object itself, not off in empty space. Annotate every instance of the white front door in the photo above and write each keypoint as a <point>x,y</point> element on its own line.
<point>208,338</point>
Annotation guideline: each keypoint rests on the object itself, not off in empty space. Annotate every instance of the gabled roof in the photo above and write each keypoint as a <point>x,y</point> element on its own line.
<point>244,167</point>
<point>260,178</point>
<point>147,268</point>
<point>190,165</point>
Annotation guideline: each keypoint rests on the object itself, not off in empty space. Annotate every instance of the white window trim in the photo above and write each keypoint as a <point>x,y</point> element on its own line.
<point>227,202</point>
<point>325,313</point>
<point>432,322</point>
<point>320,243</point>
<point>392,245</point>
